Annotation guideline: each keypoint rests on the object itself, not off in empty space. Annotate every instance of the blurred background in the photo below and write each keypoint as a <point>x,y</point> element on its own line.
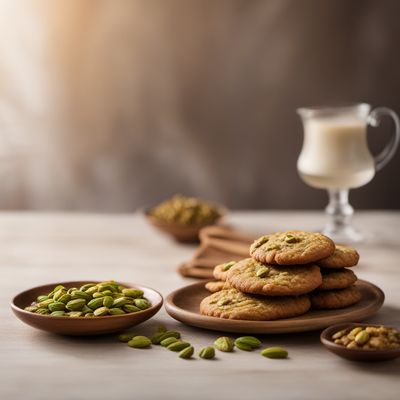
<point>112,105</point>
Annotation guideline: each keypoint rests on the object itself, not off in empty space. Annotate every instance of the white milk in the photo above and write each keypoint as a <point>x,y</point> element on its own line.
<point>335,153</point>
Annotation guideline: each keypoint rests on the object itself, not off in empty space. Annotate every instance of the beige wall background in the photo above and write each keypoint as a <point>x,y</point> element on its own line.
<point>111,105</point>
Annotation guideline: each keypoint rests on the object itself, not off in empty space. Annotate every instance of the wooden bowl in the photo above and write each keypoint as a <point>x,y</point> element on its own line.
<point>79,325</point>
<point>355,354</point>
<point>180,232</point>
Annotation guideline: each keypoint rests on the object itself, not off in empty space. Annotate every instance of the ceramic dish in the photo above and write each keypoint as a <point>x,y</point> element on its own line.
<point>79,325</point>
<point>183,305</point>
<point>181,233</point>
<point>355,354</point>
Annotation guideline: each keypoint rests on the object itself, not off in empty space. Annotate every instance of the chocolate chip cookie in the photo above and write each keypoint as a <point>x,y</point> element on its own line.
<point>291,248</point>
<point>250,276</point>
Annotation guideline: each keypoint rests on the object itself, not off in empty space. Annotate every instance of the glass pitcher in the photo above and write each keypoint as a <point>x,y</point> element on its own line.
<point>335,156</point>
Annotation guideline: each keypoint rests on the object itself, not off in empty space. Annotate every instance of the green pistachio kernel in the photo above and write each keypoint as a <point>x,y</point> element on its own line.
<point>108,301</point>
<point>56,306</point>
<point>100,312</point>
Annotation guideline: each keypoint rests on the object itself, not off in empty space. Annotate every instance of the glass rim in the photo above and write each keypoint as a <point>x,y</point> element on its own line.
<point>329,110</point>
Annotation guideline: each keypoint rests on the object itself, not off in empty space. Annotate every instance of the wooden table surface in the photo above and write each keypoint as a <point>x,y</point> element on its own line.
<point>40,248</point>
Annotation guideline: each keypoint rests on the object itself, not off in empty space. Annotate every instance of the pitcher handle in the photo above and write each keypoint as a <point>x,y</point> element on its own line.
<point>389,150</point>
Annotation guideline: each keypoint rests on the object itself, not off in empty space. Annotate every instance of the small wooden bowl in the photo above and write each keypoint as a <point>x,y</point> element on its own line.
<point>181,233</point>
<point>355,354</point>
<point>79,325</point>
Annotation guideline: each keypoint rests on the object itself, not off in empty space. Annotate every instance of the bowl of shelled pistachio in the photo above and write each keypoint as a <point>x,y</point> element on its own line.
<point>362,342</point>
<point>86,307</point>
<point>182,217</point>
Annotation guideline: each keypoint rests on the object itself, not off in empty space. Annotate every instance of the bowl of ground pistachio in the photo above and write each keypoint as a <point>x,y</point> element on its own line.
<point>362,342</point>
<point>183,217</point>
<point>86,307</point>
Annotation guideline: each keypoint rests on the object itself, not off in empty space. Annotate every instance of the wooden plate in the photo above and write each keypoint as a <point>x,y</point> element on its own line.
<point>79,325</point>
<point>183,305</point>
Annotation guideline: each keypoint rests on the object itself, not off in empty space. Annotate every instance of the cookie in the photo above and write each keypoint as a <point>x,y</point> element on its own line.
<point>250,276</point>
<point>332,299</point>
<point>216,286</point>
<point>221,271</point>
<point>342,257</point>
<point>291,247</point>
<point>337,279</point>
<point>232,304</point>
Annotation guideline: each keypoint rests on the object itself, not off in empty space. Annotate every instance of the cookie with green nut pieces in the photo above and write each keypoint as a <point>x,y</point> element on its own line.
<point>337,278</point>
<point>216,286</point>
<point>333,299</point>
<point>250,276</point>
<point>291,248</point>
<point>221,271</point>
<point>342,257</point>
<point>233,304</point>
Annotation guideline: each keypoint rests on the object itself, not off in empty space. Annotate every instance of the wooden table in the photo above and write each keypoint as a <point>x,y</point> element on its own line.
<point>41,248</point>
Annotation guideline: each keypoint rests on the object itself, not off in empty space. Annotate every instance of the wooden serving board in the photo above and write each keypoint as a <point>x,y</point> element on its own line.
<point>183,305</point>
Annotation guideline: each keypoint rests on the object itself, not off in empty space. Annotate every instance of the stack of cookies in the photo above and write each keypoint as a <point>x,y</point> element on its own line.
<point>287,274</point>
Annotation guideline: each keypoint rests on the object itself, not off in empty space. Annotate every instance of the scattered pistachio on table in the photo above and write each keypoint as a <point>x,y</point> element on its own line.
<point>90,300</point>
<point>171,340</point>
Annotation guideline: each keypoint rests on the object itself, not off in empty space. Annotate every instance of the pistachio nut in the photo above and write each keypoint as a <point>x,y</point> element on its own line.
<point>290,238</point>
<point>224,343</point>
<point>178,345</point>
<point>139,342</point>
<point>95,303</point>
<point>143,304</point>
<point>101,311</point>
<point>108,301</point>
<point>228,265</point>
<point>362,337</point>
<point>87,286</point>
<point>65,298</point>
<point>91,291</point>
<point>129,308</point>
<point>244,342</point>
<point>78,294</point>
<point>41,298</point>
<point>159,337</point>
<point>187,352</point>
<point>58,294</point>
<point>58,313</point>
<point>56,306</point>
<point>75,314</point>
<point>76,304</point>
<point>89,314</point>
<point>45,303</point>
<point>262,272</point>
<point>207,353</point>
<point>259,242</point>
<point>42,311</point>
<point>130,292</point>
<point>166,342</point>
<point>86,309</point>
<point>352,334</point>
<point>31,308</point>
<point>116,311</point>
<point>122,301</point>
<point>274,352</point>
<point>97,295</point>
